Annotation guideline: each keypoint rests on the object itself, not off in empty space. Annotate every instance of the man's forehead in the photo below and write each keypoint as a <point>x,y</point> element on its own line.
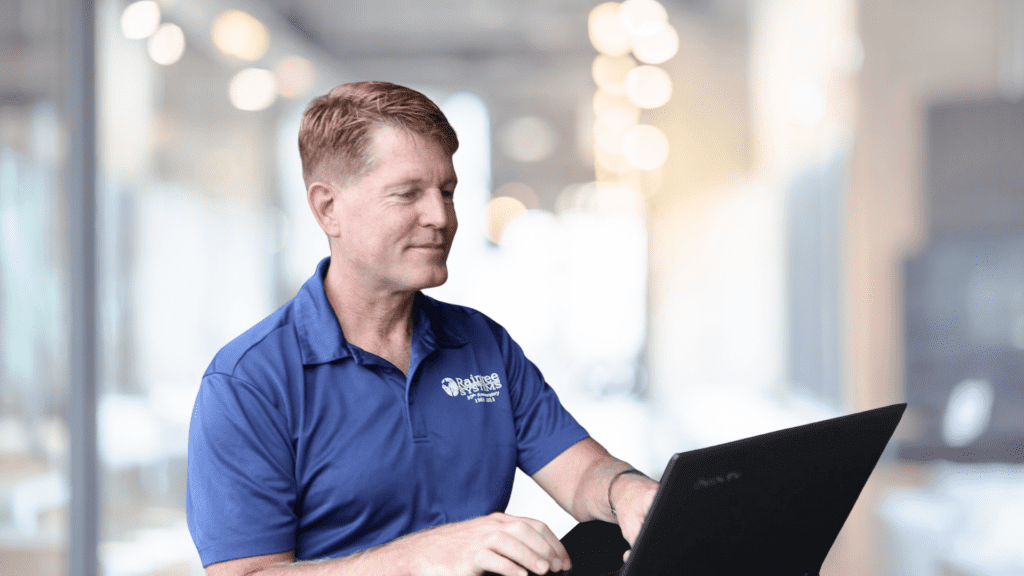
<point>397,134</point>
<point>395,144</point>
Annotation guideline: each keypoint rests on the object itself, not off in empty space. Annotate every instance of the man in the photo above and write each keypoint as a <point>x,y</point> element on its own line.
<point>368,424</point>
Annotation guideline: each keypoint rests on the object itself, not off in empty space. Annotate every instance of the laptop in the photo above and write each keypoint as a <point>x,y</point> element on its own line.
<point>773,503</point>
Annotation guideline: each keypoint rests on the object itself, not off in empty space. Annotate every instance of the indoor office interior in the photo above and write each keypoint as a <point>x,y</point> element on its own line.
<point>702,219</point>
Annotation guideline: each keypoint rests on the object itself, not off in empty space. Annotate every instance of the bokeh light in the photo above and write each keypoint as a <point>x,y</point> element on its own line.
<point>648,86</point>
<point>658,47</point>
<point>642,18</point>
<point>501,211</point>
<point>295,76</point>
<point>140,19</point>
<point>253,89</point>
<point>607,33</point>
<point>241,35</point>
<point>605,102</point>
<point>610,73</point>
<point>520,191</point>
<point>645,147</point>
<point>612,162</point>
<point>611,126</point>
<point>617,198</point>
<point>166,45</point>
<point>968,412</point>
<point>529,139</point>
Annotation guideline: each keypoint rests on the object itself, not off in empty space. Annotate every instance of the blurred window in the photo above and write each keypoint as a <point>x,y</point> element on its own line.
<point>34,485</point>
<point>815,204</point>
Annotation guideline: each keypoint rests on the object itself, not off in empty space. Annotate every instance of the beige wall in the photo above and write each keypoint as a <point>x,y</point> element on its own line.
<point>916,52</point>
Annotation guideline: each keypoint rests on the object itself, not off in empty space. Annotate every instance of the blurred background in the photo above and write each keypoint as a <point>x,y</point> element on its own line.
<point>703,219</point>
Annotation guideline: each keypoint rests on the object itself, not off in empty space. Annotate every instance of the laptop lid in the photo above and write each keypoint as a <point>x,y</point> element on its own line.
<point>773,503</point>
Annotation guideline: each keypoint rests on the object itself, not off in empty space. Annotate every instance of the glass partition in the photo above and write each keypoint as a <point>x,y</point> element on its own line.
<point>188,234</point>
<point>34,439</point>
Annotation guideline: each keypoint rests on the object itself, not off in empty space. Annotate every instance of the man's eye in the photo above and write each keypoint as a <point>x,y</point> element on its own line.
<point>448,194</point>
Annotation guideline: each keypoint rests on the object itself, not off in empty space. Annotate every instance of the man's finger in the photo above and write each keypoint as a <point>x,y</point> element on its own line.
<point>542,529</point>
<point>497,564</point>
<point>522,554</point>
<point>539,537</point>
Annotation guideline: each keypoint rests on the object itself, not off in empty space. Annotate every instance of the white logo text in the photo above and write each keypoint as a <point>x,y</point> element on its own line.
<point>476,388</point>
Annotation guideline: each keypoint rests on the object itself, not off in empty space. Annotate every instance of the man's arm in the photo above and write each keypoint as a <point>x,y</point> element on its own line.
<point>578,479</point>
<point>498,543</point>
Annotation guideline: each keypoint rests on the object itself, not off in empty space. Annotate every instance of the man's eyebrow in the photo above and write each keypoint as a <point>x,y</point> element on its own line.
<point>453,181</point>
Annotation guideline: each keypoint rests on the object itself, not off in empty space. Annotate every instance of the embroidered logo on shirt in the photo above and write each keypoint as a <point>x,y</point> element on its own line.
<point>476,388</point>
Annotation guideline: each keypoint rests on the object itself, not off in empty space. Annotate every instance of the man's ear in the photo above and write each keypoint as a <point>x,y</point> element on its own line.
<point>322,198</point>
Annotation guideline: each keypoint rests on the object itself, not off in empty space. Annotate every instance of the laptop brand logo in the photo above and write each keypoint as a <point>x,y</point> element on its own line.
<point>712,481</point>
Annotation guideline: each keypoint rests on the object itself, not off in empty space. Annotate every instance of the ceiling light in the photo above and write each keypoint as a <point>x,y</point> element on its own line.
<point>658,47</point>
<point>648,86</point>
<point>140,20</point>
<point>239,34</point>
<point>606,31</point>
<point>642,17</point>
<point>610,73</point>
<point>166,45</point>
<point>253,89</point>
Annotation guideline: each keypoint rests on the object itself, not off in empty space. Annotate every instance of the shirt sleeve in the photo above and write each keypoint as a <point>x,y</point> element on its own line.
<point>544,428</point>
<point>241,493</point>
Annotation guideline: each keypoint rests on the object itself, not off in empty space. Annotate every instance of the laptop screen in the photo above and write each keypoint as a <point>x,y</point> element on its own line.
<point>772,503</point>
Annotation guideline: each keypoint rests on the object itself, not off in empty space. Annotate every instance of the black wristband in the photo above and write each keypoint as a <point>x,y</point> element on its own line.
<point>612,483</point>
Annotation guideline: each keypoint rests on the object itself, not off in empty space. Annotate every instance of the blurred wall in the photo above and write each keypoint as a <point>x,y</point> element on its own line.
<point>916,53</point>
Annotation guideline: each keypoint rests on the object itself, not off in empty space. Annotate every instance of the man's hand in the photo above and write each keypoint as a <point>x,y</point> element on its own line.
<point>498,543</point>
<point>632,496</point>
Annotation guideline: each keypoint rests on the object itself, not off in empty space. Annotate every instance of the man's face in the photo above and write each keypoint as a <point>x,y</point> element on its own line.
<point>397,223</point>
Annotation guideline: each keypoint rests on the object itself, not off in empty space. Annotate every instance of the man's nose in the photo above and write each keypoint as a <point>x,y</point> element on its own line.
<point>435,209</point>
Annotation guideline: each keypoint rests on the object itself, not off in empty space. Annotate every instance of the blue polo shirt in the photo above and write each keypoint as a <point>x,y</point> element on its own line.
<point>301,441</point>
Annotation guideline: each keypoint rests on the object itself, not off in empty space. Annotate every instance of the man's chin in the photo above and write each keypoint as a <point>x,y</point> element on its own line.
<point>439,282</point>
<point>432,279</point>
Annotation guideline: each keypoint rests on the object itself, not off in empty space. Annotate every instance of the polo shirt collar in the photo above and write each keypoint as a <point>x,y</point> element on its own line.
<point>320,336</point>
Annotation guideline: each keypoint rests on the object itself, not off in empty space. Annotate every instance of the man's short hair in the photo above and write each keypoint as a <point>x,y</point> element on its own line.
<point>337,128</point>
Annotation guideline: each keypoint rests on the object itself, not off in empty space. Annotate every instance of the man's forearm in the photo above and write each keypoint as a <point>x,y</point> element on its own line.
<point>591,499</point>
<point>580,480</point>
<point>384,560</point>
<point>376,560</point>
<point>497,543</point>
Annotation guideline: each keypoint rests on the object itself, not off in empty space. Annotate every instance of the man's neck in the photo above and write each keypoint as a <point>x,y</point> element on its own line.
<point>378,321</point>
